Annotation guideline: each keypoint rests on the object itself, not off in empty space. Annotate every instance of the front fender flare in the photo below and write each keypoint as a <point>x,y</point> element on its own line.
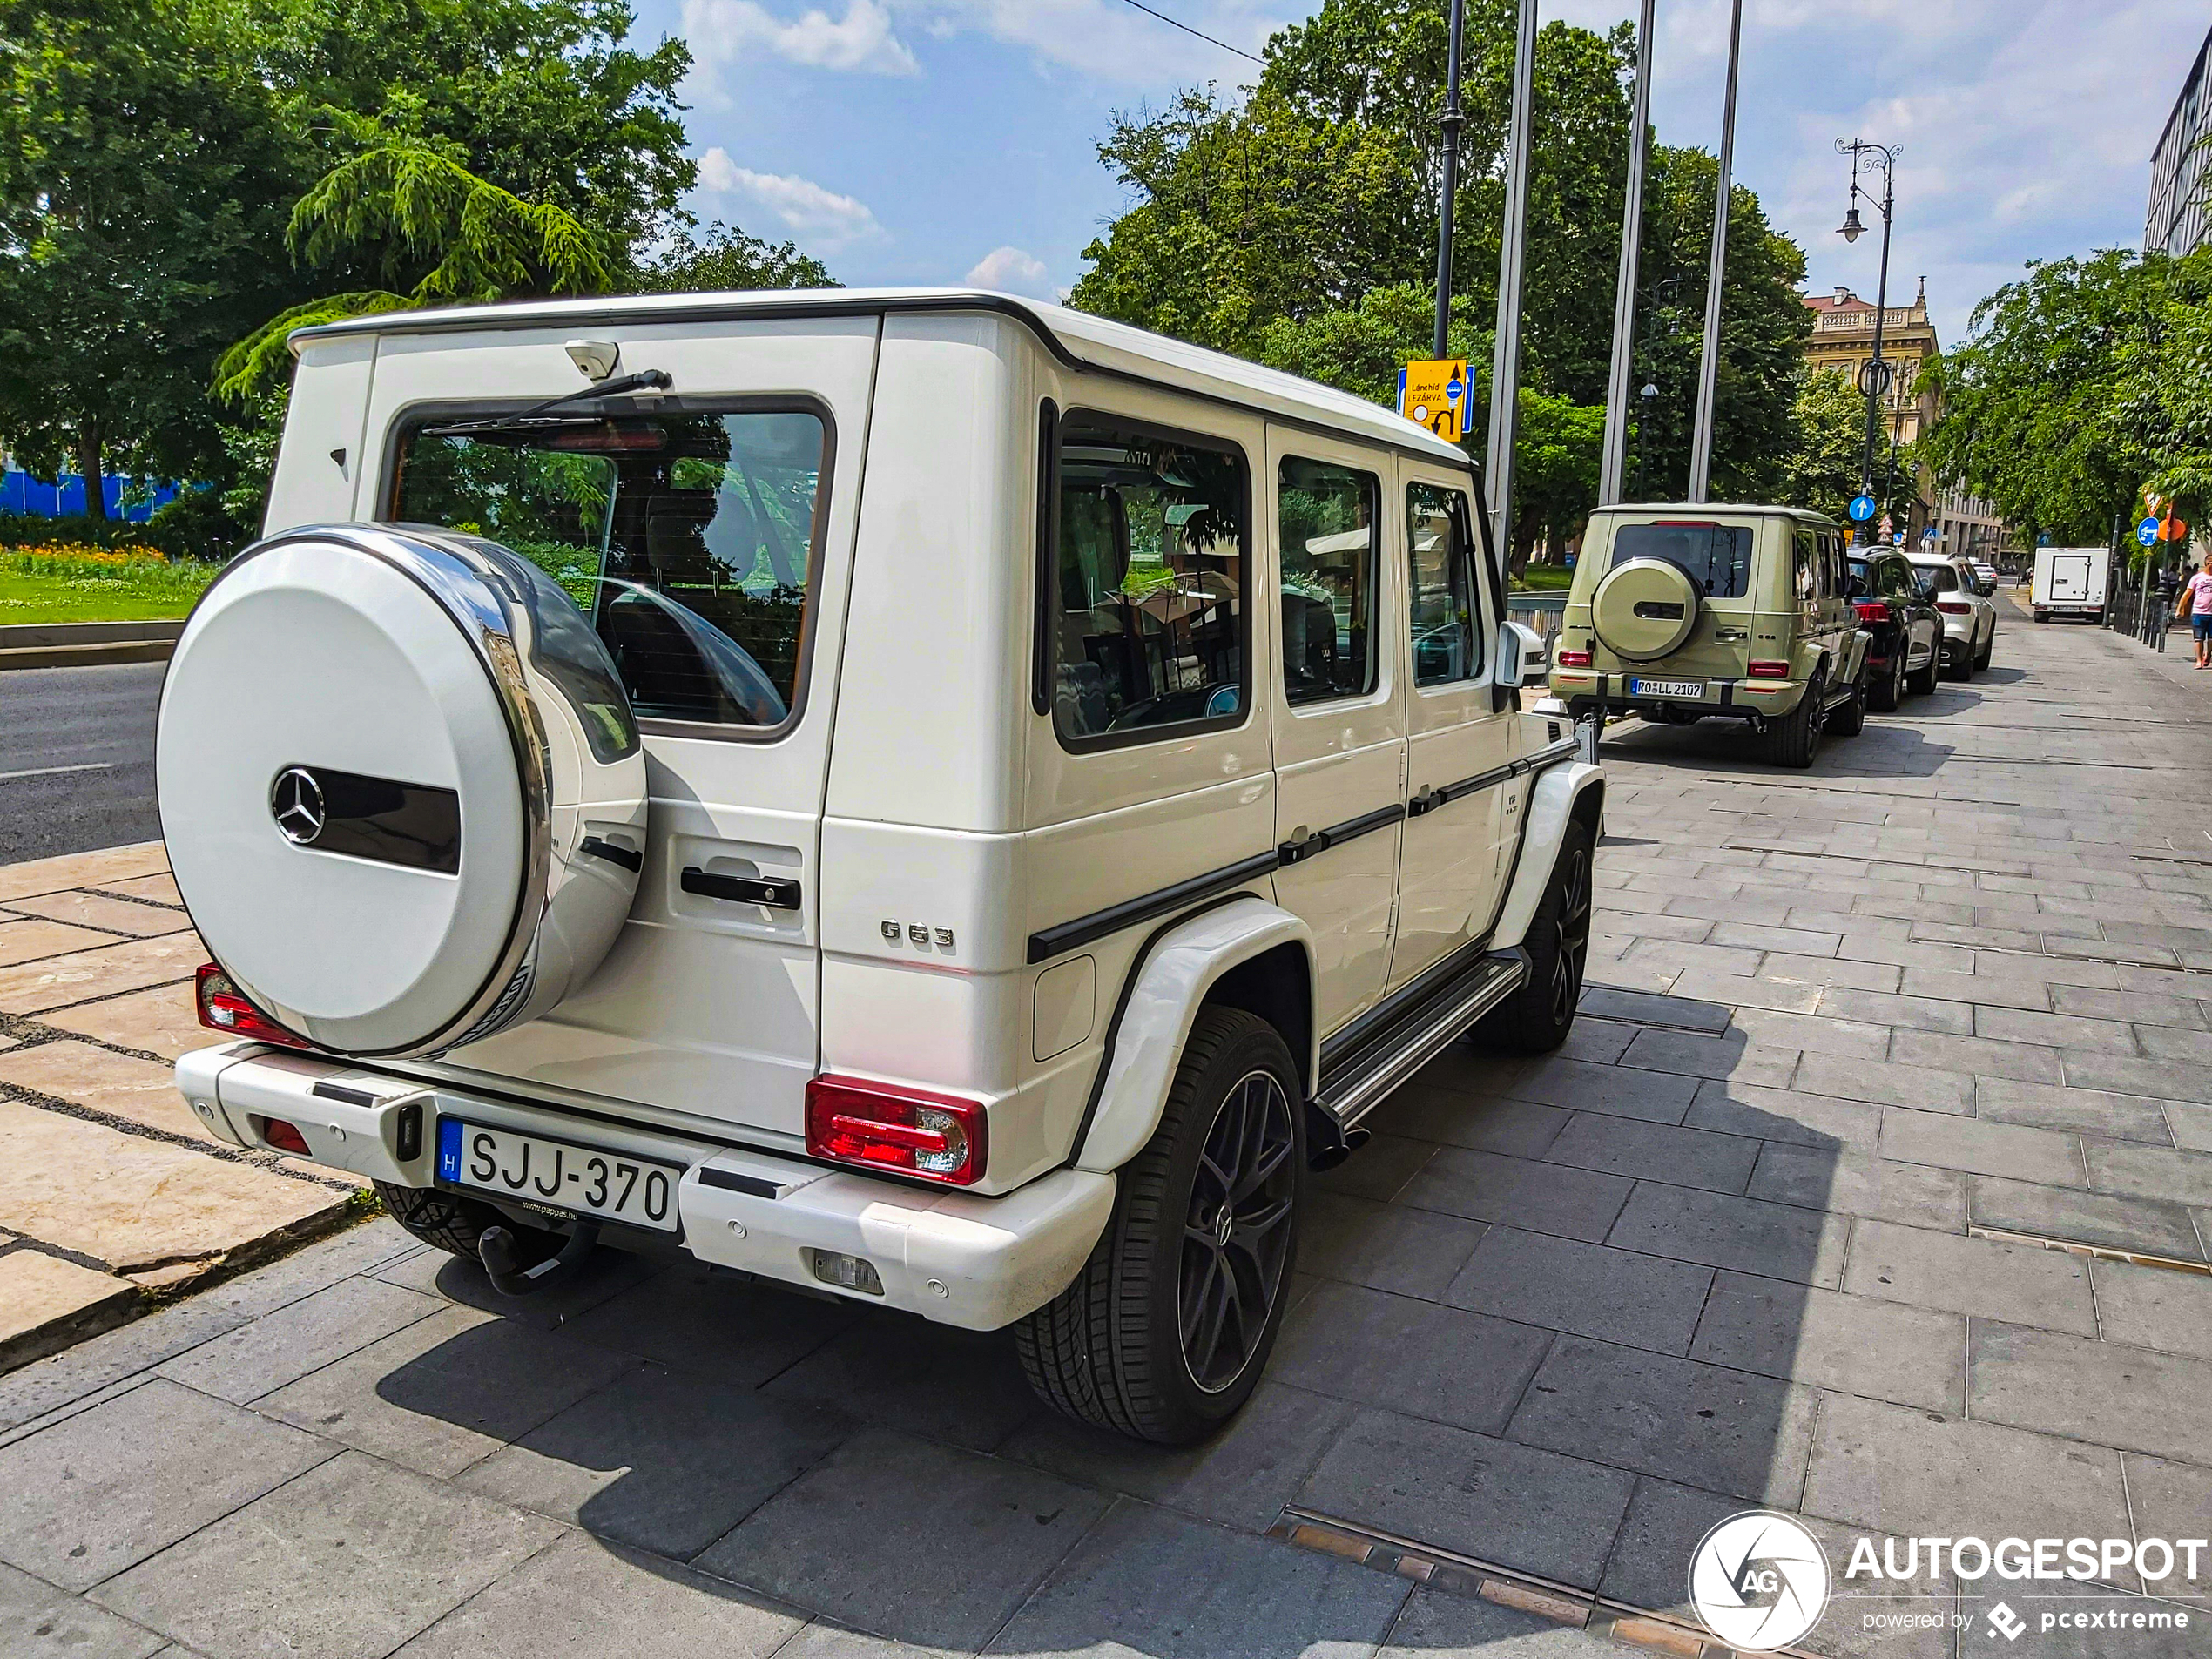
<point>1145,1044</point>
<point>1551,807</point>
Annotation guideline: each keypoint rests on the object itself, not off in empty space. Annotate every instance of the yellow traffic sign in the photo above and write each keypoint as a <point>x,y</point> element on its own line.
<point>1436,393</point>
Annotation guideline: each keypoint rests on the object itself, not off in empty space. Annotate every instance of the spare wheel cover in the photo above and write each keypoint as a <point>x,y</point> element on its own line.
<point>401,786</point>
<point>1643,608</point>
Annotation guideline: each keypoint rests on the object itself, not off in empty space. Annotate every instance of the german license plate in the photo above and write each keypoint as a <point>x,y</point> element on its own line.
<point>558,1175</point>
<point>1666,688</point>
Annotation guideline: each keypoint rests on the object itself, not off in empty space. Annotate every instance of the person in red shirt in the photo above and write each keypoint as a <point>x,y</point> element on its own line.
<point>2196,601</point>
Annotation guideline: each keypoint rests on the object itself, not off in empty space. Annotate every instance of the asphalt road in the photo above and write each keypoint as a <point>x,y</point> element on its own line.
<point>77,759</point>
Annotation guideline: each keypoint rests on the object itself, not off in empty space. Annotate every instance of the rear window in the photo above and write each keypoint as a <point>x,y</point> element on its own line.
<point>1941,578</point>
<point>1717,557</point>
<point>689,539</point>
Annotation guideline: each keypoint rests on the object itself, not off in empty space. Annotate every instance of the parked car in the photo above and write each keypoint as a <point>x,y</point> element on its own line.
<point>1987,572</point>
<point>1969,615</point>
<point>944,802</point>
<point>1679,613</point>
<point>1903,628</point>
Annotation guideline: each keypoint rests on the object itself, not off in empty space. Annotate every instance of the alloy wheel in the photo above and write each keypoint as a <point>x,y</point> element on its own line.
<point>1236,1233</point>
<point>1572,925</point>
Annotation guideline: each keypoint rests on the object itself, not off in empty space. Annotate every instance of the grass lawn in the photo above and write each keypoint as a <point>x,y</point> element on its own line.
<point>1545,578</point>
<point>38,588</point>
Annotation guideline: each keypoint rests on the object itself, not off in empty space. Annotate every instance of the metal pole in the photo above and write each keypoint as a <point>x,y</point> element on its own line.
<point>1451,125</point>
<point>1881,316</point>
<point>1505,362</point>
<point>1701,441</point>
<point>1611,466</point>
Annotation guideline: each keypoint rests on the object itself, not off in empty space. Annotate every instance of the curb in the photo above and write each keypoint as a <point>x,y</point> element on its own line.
<point>68,644</point>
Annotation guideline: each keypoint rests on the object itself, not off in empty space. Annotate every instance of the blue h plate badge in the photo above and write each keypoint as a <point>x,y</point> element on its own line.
<point>449,1148</point>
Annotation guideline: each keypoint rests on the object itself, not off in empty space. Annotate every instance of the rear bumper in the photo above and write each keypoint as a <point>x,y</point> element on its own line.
<point>1584,690</point>
<point>950,1256</point>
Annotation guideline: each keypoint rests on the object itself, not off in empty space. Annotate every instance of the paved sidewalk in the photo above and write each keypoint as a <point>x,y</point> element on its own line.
<point>111,1196</point>
<point>1559,1318</point>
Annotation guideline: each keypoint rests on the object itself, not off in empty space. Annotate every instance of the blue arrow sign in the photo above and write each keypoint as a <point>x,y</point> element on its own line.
<point>2147,532</point>
<point>1862,508</point>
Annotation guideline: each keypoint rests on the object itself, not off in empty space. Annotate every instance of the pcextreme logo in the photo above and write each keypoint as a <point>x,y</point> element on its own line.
<point>1759,1581</point>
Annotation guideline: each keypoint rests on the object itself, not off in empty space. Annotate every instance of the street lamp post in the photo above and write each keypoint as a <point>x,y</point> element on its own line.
<point>1884,156</point>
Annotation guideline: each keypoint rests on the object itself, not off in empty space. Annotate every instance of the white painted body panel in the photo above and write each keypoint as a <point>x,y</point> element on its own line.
<point>1551,803</point>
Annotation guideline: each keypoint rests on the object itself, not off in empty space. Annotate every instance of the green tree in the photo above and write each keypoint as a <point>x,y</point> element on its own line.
<point>142,182</point>
<point>2078,385</point>
<point>1823,471</point>
<point>723,259</point>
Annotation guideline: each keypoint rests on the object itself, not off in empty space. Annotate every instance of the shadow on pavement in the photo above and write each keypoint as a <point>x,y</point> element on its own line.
<point>1561,1317</point>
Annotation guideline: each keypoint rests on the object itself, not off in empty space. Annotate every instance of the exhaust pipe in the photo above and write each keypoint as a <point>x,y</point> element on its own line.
<point>496,1250</point>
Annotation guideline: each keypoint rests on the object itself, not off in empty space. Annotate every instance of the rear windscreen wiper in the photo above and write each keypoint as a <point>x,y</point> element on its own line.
<point>645,379</point>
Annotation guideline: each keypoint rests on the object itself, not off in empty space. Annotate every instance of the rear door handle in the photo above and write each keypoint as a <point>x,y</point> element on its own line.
<point>776,891</point>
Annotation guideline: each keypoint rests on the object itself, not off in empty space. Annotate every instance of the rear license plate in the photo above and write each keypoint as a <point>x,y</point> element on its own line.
<point>558,1175</point>
<point>1666,688</point>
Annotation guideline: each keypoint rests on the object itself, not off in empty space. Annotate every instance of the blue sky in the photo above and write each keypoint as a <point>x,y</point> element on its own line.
<point>924,141</point>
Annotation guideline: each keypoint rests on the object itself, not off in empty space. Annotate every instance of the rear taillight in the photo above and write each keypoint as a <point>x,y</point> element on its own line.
<point>223,1008</point>
<point>1770,670</point>
<point>1871,611</point>
<point>1954,607</point>
<point>286,1137</point>
<point>900,1131</point>
<point>1573,659</point>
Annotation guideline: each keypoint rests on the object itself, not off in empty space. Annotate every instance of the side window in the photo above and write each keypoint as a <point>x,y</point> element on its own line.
<point>1896,579</point>
<point>1331,568</point>
<point>1805,569</point>
<point>1831,554</point>
<point>1446,616</point>
<point>1147,618</point>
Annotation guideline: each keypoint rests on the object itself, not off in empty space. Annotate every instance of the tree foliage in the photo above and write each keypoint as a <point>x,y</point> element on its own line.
<point>2078,386</point>
<point>1299,227</point>
<point>723,259</point>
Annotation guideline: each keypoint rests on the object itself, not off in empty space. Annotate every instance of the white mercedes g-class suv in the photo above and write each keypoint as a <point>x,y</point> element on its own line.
<point>941,801</point>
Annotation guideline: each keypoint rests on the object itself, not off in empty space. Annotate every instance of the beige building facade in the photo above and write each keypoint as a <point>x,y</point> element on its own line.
<point>1843,339</point>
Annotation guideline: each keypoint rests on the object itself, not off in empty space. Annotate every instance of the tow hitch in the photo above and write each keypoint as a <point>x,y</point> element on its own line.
<point>496,1250</point>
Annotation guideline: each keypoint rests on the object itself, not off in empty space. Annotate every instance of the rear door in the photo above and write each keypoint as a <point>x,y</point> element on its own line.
<point>1460,743</point>
<point>714,568</point>
<point>2070,577</point>
<point>1339,719</point>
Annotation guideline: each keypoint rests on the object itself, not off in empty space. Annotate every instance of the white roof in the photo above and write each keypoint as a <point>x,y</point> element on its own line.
<point>1076,337</point>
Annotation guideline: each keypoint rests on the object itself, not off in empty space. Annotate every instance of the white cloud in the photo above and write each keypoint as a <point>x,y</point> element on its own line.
<point>1110,41</point>
<point>1013,270</point>
<point>822,221</point>
<point>725,33</point>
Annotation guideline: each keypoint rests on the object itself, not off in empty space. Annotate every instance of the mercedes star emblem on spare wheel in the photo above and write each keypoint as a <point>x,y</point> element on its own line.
<point>296,802</point>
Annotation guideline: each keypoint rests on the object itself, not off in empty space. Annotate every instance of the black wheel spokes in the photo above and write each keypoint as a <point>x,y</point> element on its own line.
<point>1574,937</point>
<point>1236,1236</point>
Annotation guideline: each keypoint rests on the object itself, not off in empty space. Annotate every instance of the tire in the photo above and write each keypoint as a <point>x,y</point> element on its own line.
<point>1536,1018</point>
<point>1961,667</point>
<point>1114,1349</point>
<point>1885,697</point>
<point>455,1224</point>
<point>1989,650</point>
<point>2042,616</point>
<point>1848,718</point>
<point>1794,740</point>
<point>1923,683</point>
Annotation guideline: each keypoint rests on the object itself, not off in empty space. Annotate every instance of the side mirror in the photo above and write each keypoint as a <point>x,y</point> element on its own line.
<point>1522,658</point>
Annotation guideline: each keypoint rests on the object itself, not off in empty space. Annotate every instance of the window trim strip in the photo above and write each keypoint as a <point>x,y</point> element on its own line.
<point>1057,941</point>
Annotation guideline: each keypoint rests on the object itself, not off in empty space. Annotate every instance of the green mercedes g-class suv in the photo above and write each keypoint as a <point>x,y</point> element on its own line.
<point>1677,613</point>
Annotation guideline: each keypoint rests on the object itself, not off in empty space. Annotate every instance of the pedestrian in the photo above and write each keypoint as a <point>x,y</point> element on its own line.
<point>2197,601</point>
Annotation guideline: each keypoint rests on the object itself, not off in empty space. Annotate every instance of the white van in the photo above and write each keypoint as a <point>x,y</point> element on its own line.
<point>946,802</point>
<point>2069,581</point>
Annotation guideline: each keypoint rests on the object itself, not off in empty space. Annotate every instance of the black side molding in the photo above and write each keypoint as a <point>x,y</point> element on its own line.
<point>1337,834</point>
<point>1048,943</point>
<point>776,891</point>
<point>600,847</point>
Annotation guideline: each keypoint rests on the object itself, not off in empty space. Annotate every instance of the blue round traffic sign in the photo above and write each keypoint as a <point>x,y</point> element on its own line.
<point>1454,386</point>
<point>2147,532</point>
<point>1862,508</point>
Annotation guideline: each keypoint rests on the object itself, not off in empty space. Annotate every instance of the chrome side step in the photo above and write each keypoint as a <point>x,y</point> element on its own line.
<point>1365,1077</point>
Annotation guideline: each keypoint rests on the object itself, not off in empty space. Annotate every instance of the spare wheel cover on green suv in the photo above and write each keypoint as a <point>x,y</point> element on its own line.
<point>1643,608</point>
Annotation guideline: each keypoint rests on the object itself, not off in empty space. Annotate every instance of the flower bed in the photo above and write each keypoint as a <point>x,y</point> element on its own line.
<point>72,582</point>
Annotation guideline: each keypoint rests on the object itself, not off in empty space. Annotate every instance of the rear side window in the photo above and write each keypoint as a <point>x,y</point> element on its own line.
<point>1448,637</point>
<point>1716,557</point>
<point>689,539</point>
<point>1146,615</point>
<point>1332,567</point>
<point>1941,578</point>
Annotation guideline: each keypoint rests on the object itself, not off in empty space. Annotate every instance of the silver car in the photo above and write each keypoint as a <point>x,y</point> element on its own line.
<point>1969,614</point>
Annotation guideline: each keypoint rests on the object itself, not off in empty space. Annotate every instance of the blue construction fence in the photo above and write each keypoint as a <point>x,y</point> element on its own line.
<point>21,493</point>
